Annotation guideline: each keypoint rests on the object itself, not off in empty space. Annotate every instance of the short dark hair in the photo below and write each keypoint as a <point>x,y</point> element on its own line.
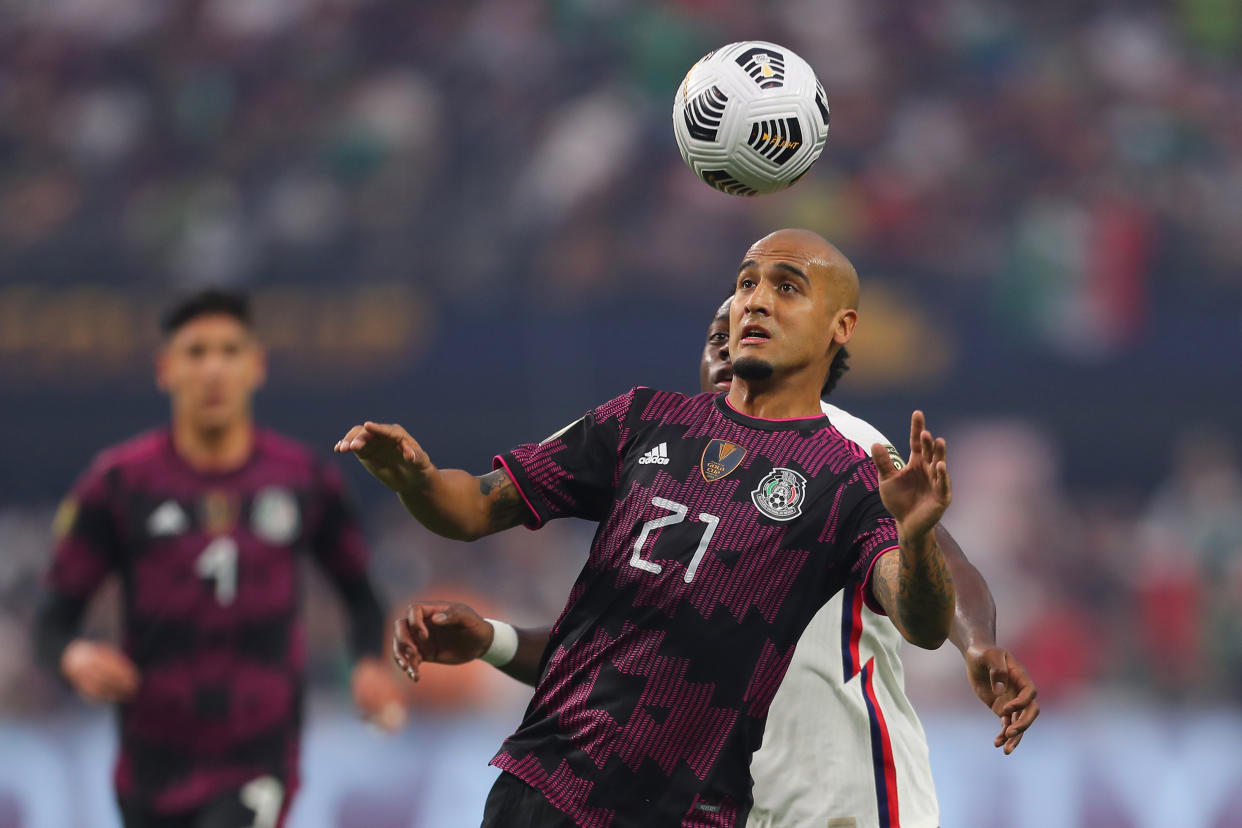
<point>840,364</point>
<point>209,301</point>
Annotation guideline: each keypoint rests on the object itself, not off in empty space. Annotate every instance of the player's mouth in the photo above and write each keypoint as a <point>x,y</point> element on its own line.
<point>754,335</point>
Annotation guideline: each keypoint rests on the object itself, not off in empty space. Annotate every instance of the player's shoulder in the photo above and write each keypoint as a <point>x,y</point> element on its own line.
<point>853,428</point>
<point>671,406</point>
<point>141,449</point>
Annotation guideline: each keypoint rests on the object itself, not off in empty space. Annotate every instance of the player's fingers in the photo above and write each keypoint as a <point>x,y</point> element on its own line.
<point>883,461</point>
<point>1024,718</point>
<point>392,431</point>
<point>927,446</point>
<point>940,479</point>
<point>1000,737</point>
<point>418,624</point>
<point>940,450</point>
<point>917,424</point>
<point>1012,744</point>
<point>1025,696</point>
<point>343,444</point>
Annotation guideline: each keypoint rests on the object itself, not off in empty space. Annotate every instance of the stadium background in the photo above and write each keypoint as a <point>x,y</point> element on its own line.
<point>471,218</point>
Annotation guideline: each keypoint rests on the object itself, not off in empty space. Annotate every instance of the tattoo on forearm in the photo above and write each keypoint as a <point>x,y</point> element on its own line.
<point>884,582</point>
<point>924,587</point>
<point>915,589</point>
<point>505,506</point>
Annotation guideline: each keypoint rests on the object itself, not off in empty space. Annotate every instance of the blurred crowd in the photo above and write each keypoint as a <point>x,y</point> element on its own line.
<point>1057,169</point>
<point>1068,159</point>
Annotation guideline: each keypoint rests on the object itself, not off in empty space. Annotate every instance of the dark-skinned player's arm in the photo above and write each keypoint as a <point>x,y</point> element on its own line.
<point>450,502</point>
<point>453,633</point>
<point>912,582</point>
<point>998,679</point>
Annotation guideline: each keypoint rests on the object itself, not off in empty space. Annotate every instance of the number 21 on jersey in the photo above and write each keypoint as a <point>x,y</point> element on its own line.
<point>677,514</point>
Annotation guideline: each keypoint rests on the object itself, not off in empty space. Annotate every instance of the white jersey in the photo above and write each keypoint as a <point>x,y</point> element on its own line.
<point>843,747</point>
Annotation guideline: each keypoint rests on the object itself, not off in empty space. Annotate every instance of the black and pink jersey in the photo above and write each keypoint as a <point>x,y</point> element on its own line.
<point>209,566</point>
<point>720,537</point>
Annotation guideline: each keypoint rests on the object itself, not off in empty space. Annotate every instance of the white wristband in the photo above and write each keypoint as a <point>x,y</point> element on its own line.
<point>504,644</point>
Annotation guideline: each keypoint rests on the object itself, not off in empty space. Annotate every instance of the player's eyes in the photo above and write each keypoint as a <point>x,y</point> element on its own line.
<point>789,287</point>
<point>746,283</point>
<point>717,338</point>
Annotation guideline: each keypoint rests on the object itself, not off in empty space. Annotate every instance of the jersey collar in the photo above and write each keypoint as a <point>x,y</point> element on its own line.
<point>795,424</point>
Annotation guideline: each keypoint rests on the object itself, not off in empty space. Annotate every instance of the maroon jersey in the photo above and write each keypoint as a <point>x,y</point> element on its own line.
<point>720,537</point>
<point>209,568</point>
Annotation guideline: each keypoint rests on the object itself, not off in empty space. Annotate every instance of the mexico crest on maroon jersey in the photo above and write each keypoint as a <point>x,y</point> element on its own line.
<point>780,494</point>
<point>719,459</point>
<point>274,515</point>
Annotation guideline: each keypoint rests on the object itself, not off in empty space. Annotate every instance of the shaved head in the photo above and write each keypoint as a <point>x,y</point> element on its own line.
<point>819,254</point>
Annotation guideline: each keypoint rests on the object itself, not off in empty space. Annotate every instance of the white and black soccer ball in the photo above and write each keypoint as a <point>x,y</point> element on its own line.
<point>750,118</point>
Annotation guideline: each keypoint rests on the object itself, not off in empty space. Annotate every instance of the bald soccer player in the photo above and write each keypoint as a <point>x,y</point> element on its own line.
<point>726,522</point>
<point>842,698</point>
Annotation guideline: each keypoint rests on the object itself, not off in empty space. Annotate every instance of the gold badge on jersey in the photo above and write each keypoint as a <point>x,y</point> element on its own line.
<point>218,511</point>
<point>66,515</point>
<point>719,460</point>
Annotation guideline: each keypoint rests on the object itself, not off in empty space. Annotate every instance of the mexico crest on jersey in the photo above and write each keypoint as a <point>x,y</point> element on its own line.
<point>274,516</point>
<point>780,494</point>
<point>720,458</point>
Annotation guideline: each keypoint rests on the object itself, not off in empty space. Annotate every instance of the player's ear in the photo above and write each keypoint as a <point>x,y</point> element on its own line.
<point>843,325</point>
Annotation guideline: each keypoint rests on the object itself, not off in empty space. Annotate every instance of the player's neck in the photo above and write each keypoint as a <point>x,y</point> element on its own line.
<point>773,400</point>
<point>214,451</point>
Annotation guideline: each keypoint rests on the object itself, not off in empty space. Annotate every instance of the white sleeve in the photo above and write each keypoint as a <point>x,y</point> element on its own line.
<point>855,429</point>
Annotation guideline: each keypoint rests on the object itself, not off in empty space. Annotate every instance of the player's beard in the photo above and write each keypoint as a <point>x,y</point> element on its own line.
<point>752,369</point>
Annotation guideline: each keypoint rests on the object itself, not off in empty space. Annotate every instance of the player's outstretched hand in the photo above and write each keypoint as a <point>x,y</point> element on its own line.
<point>99,672</point>
<point>918,493</point>
<point>389,453</point>
<point>440,633</point>
<point>1002,683</point>
<point>378,695</point>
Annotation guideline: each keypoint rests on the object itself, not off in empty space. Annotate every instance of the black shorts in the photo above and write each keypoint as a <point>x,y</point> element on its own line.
<point>261,803</point>
<point>514,804</point>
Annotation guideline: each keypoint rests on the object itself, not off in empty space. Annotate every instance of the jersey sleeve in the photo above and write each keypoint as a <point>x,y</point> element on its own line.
<point>574,472</point>
<point>337,543</point>
<point>869,528</point>
<point>87,546</point>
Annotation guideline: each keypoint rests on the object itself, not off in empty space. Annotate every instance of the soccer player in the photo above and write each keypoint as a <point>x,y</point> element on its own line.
<point>205,523</point>
<point>842,698</point>
<point>725,523</point>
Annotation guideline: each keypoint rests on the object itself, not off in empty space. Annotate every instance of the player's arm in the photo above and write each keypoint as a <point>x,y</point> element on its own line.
<point>998,679</point>
<point>338,548</point>
<point>86,550</point>
<point>453,633</point>
<point>912,582</point>
<point>450,502</point>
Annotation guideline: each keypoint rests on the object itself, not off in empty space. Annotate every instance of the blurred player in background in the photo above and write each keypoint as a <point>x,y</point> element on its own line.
<point>205,523</point>
<point>726,522</point>
<point>843,697</point>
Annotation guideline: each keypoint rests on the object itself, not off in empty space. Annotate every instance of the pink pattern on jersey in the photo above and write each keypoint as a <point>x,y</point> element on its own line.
<point>566,791</point>
<point>767,678</point>
<point>693,731</point>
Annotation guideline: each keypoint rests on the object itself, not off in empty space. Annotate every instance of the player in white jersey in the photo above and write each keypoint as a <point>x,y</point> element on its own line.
<point>842,698</point>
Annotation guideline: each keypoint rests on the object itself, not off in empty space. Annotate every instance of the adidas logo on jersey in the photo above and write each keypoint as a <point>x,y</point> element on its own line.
<point>657,455</point>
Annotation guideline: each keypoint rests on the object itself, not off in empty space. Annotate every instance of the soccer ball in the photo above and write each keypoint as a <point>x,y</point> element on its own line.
<point>750,118</point>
